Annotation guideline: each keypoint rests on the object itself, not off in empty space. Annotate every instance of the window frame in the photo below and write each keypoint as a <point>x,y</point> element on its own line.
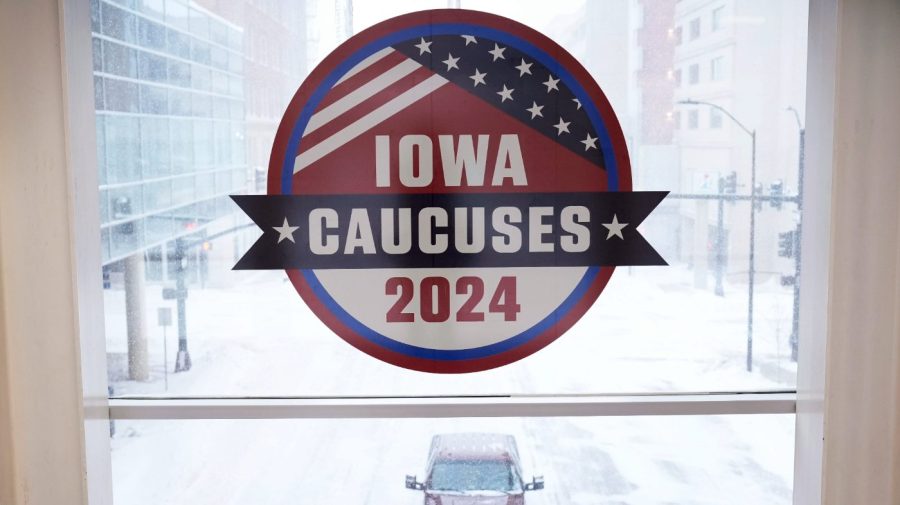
<point>693,74</point>
<point>75,35</point>
<point>695,23</point>
<point>717,68</point>
<point>717,16</point>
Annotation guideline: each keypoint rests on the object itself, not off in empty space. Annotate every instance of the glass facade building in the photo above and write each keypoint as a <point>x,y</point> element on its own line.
<point>169,96</point>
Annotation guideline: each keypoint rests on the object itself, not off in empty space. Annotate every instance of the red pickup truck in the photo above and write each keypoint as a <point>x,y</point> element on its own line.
<point>474,468</point>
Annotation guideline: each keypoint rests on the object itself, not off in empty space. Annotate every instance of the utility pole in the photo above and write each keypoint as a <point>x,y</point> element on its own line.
<point>727,186</point>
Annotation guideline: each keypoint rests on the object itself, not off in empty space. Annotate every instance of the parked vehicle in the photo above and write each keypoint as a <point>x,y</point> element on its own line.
<point>474,468</point>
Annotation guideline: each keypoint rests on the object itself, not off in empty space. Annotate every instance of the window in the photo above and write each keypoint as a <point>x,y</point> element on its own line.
<point>186,113</point>
<point>715,118</point>
<point>718,15</point>
<point>693,119</point>
<point>717,68</point>
<point>694,29</point>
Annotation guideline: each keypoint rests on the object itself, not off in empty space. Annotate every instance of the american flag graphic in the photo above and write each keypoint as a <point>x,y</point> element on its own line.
<point>397,79</point>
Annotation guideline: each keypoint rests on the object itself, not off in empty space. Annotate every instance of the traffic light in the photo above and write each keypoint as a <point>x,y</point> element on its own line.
<point>728,184</point>
<point>786,244</point>
<point>758,191</point>
<point>776,190</point>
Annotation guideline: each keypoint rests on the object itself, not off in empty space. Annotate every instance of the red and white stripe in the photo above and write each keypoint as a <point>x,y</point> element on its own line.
<point>376,89</point>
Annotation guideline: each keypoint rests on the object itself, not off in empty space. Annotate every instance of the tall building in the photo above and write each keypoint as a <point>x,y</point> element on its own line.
<point>170,119</point>
<point>169,96</point>
<point>276,50</point>
<point>189,95</point>
<point>749,59</point>
<point>654,157</point>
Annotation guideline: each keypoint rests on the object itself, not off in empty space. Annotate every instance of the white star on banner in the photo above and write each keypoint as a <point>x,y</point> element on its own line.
<point>497,52</point>
<point>469,38</point>
<point>535,110</point>
<point>524,68</point>
<point>506,94</point>
<point>285,231</point>
<point>551,83</point>
<point>450,62</point>
<point>562,126</point>
<point>424,47</point>
<point>577,103</point>
<point>615,228</point>
<point>478,77</point>
<point>589,142</point>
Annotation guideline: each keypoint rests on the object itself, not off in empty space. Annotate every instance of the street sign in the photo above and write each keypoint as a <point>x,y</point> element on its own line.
<point>174,294</point>
<point>164,316</point>
<point>449,191</point>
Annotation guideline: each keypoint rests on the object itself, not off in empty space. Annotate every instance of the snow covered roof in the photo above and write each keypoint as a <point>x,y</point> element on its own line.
<point>464,445</point>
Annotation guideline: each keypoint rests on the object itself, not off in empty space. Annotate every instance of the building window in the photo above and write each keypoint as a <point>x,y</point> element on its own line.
<point>693,119</point>
<point>717,68</point>
<point>184,124</point>
<point>718,15</point>
<point>694,29</point>
<point>715,118</point>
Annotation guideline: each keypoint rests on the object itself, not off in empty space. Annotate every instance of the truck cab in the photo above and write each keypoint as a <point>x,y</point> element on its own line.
<point>473,468</point>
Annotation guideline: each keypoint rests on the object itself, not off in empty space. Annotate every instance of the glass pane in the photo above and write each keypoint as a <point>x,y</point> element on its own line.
<point>194,120</point>
<point>685,460</point>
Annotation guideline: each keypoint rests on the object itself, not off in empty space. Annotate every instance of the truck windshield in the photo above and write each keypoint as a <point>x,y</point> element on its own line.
<point>474,475</point>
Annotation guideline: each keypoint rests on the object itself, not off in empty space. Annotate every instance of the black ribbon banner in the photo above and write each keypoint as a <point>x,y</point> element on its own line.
<point>458,230</point>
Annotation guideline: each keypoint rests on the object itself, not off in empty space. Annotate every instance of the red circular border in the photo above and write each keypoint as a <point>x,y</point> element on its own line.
<point>360,40</point>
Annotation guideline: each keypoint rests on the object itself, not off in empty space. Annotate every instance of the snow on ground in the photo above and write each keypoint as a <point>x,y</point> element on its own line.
<point>649,331</point>
<point>635,461</point>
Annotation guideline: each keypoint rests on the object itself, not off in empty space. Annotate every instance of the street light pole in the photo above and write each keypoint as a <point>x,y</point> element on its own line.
<point>751,271</point>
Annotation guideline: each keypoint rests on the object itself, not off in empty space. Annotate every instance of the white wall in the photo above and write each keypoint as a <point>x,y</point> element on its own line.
<point>862,385</point>
<point>49,261</point>
<point>848,408</point>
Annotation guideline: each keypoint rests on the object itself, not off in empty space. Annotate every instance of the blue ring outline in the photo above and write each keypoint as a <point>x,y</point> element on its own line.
<point>431,30</point>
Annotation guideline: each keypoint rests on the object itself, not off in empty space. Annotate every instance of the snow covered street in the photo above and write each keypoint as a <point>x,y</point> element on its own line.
<point>648,332</point>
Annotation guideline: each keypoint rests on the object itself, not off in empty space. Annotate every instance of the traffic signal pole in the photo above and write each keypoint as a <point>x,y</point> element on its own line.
<point>795,326</point>
<point>183,359</point>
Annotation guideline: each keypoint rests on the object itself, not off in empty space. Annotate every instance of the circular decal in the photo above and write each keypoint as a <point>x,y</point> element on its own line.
<point>449,191</point>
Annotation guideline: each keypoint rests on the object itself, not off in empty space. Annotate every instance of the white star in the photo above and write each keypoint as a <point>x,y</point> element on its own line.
<point>535,110</point>
<point>589,142</point>
<point>524,68</point>
<point>450,62</point>
<point>285,231</point>
<point>615,228</point>
<point>577,103</point>
<point>506,94</point>
<point>551,83</point>
<point>469,38</point>
<point>424,47</point>
<point>497,52</point>
<point>478,77</point>
<point>562,126</point>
